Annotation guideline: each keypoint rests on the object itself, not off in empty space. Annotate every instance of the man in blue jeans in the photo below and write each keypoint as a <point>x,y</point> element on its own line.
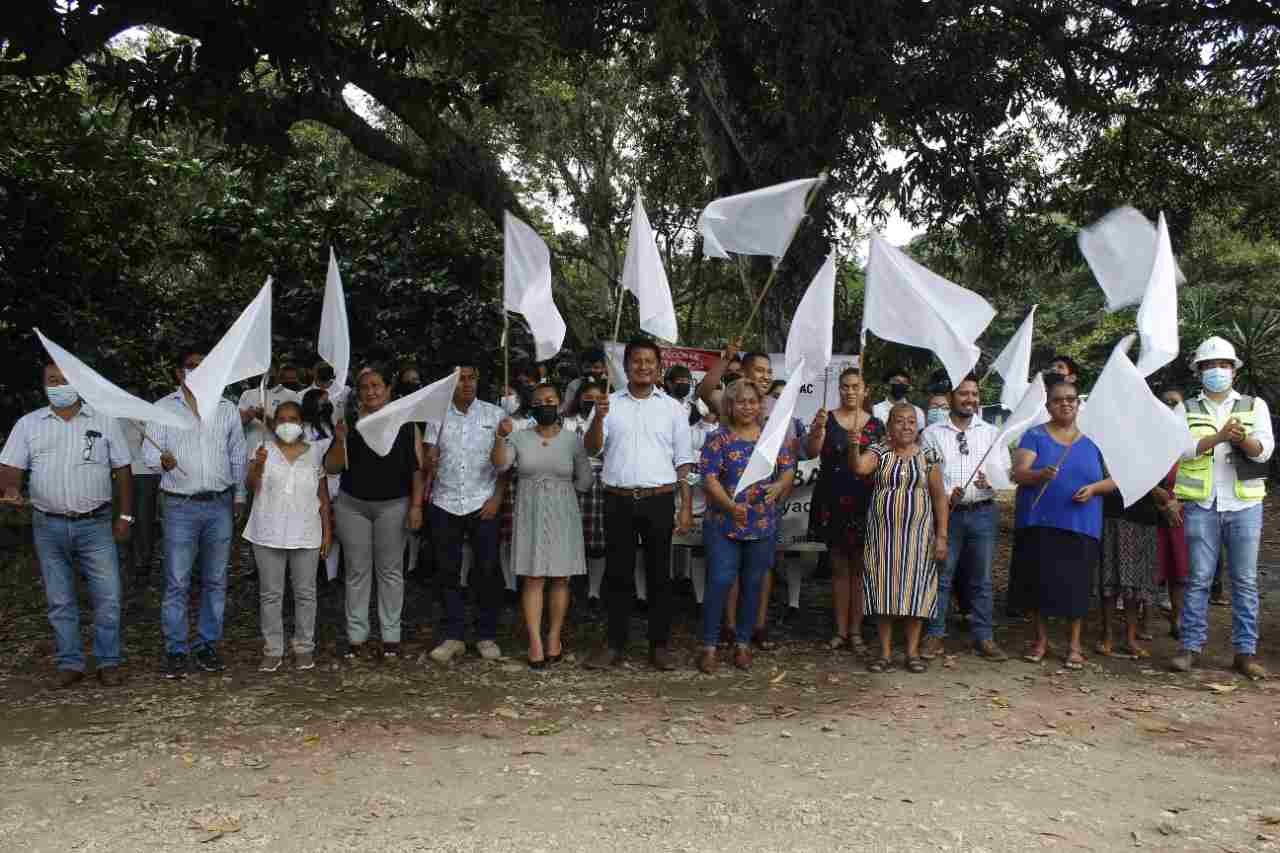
<point>202,490</point>
<point>963,440</point>
<point>73,455</point>
<point>1221,483</point>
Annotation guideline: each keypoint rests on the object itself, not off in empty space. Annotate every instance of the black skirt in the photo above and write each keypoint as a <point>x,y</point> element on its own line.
<point>1052,571</point>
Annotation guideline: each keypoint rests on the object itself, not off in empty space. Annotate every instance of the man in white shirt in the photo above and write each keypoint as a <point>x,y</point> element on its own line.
<point>644,435</point>
<point>202,491</point>
<point>899,386</point>
<point>289,389</point>
<point>1221,484</point>
<point>963,441</point>
<point>679,387</point>
<point>595,367</point>
<point>323,377</point>
<point>73,455</point>
<point>465,498</point>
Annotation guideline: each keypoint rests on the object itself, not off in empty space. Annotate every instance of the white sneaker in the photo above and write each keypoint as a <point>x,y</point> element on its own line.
<point>448,650</point>
<point>488,650</point>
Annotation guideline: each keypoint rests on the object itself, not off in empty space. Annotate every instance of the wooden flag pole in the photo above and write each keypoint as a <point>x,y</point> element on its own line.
<point>152,441</point>
<point>506,354</point>
<point>617,330</point>
<point>773,274</point>
<point>1058,464</point>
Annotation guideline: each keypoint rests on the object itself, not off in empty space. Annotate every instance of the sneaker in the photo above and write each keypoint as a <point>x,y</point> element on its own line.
<point>603,658</point>
<point>391,650</point>
<point>208,660</point>
<point>270,663</point>
<point>488,650</point>
<point>355,651</point>
<point>448,650</point>
<point>1184,660</point>
<point>175,666</point>
<point>305,660</point>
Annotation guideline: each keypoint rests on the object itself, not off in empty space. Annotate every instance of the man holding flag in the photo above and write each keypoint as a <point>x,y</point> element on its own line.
<point>73,454</point>
<point>202,490</point>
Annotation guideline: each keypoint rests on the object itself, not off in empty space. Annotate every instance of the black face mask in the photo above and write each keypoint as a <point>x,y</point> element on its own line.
<point>408,388</point>
<point>898,390</point>
<point>293,386</point>
<point>545,415</point>
<point>324,373</point>
<point>680,390</point>
<point>326,412</point>
<point>586,407</point>
<point>730,378</point>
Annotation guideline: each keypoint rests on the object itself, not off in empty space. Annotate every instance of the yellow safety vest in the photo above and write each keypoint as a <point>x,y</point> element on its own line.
<point>1195,476</point>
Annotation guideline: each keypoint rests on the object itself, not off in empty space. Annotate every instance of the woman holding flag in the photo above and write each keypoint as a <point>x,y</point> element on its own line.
<point>738,532</point>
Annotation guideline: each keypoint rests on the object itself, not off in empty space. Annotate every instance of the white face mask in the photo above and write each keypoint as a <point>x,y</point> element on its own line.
<point>510,404</point>
<point>61,396</point>
<point>288,432</point>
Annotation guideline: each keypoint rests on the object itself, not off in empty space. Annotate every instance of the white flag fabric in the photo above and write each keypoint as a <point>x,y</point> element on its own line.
<point>108,399</point>
<point>334,345</point>
<point>526,285</point>
<point>765,455</point>
<point>1026,413</point>
<point>760,222</point>
<point>1158,315</point>
<point>1121,250</point>
<point>244,351</point>
<point>909,304</point>
<point>1139,436</point>
<point>426,404</point>
<point>1014,363</point>
<point>644,275</point>
<point>812,336</point>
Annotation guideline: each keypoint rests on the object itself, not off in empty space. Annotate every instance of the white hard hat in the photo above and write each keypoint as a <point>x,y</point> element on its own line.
<point>1216,348</point>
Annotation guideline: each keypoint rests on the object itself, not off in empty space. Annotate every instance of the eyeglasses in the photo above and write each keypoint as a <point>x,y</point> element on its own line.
<point>89,439</point>
<point>1070,401</point>
<point>962,441</point>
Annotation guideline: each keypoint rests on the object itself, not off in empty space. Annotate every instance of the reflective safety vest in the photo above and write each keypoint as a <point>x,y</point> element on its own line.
<point>1195,476</point>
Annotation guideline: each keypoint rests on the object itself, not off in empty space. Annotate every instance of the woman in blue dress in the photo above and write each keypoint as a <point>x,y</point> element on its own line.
<point>1058,522</point>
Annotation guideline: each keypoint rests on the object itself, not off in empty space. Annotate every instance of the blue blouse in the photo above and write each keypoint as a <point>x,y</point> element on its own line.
<point>1081,467</point>
<point>725,457</point>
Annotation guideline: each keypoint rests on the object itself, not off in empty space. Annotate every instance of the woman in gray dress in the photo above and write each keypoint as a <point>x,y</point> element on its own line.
<point>547,538</point>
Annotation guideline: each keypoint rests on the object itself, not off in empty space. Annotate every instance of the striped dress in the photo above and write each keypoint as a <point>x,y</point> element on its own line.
<point>901,576</point>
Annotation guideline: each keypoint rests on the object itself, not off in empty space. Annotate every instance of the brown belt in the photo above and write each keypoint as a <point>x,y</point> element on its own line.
<point>78,516</point>
<point>637,494</point>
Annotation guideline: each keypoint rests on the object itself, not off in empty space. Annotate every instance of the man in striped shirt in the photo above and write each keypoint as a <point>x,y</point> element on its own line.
<point>202,490</point>
<point>73,454</point>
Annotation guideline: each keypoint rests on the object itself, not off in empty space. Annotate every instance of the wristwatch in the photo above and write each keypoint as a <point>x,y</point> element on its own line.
<point>128,518</point>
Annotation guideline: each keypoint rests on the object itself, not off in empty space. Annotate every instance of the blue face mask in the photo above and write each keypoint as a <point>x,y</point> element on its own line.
<point>1216,379</point>
<point>61,396</point>
<point>938,414</point>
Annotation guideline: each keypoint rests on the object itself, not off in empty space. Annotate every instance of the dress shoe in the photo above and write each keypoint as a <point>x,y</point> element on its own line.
<point>661,659</point>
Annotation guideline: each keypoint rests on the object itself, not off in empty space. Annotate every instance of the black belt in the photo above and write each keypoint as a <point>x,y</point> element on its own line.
<point>974,505</point>
<point>77,516</point>
<point>198,496</point>
<point>641,492</point>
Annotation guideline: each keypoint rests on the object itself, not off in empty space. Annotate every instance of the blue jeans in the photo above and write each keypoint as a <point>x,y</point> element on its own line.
<point>195,530</point>
<point>60,542</point>
<point>971,537</point>
<point>448,533</point>
<point>1207,531</point>
<point>730,560</point>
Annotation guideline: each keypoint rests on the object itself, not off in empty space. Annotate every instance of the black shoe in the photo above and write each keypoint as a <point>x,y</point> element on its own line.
<point>208,660</point>
<point>789,617</point>
<point>175,667</point>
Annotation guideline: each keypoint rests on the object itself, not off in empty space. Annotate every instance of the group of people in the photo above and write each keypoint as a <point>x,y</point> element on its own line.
<point>544,486</point>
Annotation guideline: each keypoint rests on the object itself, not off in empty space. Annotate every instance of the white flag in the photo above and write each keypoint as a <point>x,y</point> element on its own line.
<point>334,345</point>
<point>1014,363</point>
<point>811,338</point>
<point>1121,250</point>
<point>108,399</point>
<point>426,404</point>
<point>643,275</point>
<point>1139,436</point>
<point>760,222</point>
<point>765,455</point>
<point>911,305</point>
<point>1158,315</point>
<point>244,351</point>
<point>1026,413</point>
<point>526,285</point>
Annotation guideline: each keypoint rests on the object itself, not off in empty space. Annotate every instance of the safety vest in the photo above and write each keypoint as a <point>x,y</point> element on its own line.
<point>1195,476</point>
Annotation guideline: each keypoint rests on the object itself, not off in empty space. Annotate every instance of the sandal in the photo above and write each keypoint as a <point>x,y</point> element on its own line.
<point>1134,652</point>
<point>1074,661</point>
<point>1103,648</point>
<point>880,665</point>
<point>760,639</point>
<point>1035,654</point>
<point>838,642</point>
<point>917,665</point>
<point>860,647</point>
<point>1146,636</point>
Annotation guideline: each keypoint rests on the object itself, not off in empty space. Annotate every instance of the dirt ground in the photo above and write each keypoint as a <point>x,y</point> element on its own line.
<point>807,752</point>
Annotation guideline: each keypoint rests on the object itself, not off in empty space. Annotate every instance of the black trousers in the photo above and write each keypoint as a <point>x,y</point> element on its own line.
<point>651,520</point>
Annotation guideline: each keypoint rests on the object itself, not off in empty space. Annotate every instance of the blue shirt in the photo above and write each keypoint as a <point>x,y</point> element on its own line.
<point>1081,467</point>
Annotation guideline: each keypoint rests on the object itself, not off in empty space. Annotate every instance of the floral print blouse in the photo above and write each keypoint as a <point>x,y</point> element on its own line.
<point>725,456</point>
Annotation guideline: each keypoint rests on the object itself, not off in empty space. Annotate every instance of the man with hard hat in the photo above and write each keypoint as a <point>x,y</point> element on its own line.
<point>1221,483</point>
